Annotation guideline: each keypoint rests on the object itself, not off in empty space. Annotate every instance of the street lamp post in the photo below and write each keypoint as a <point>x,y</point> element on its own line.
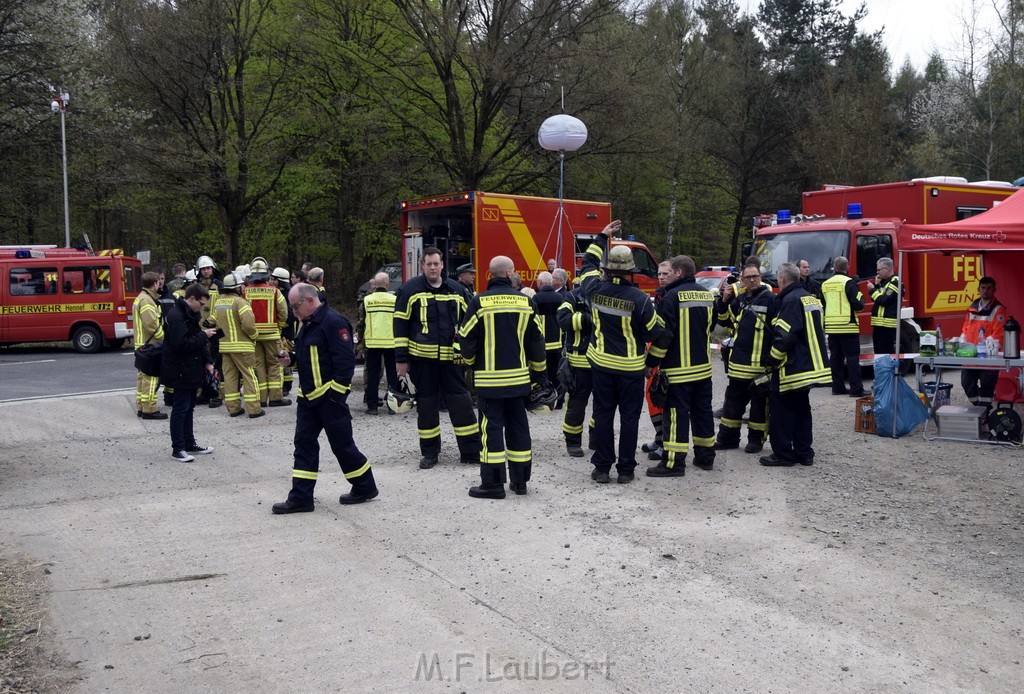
<point>60,105</point>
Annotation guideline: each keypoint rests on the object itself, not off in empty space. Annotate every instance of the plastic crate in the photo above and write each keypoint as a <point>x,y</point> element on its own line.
<point>864,415</point>
<point>960,422</point>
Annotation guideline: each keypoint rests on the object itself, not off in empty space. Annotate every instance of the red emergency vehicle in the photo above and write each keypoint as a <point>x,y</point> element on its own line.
<point>860,223</point>
<point>50,294</point>
<point>473,227</point>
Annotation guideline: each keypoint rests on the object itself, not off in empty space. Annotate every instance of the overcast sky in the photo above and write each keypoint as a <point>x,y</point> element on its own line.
<point>913,28</point>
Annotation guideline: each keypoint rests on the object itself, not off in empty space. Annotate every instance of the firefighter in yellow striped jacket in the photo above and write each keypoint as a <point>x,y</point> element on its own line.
<point>270,309</point>
<point>798,351</point>
<point>149,327</point>
<point>238,349</point>
<point>887,293</point>
<point>377,332</point>
<point>748,307</point>
<point>683,355</point>
<point>502,340</point>
<point>624,321</point>
<point>428,311</point>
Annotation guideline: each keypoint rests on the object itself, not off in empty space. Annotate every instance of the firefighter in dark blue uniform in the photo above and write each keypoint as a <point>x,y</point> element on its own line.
<point>325,360</point>
<point>798,351</point>
<point>548,300</point>
<point>501,339</point>
<point>574,319</point>
<point>748,311</point>
<point>683,355</point>
<point>624,321</point>
<point>428,311</point>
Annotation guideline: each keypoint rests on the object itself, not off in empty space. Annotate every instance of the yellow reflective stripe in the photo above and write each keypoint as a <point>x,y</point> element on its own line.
<point>615,363</point>
<point>429,433</point>
<point>658,351</point>
<point>570,429</point>
<point>731,423</point>
<point>314,359</point>
<point>686,374</point>
<point>758,426</point>
<point>520,456</point>
<point>493,458</point>
<point>361,471</point>
<point>467,430</point>
<point>304,474</point>
<point>706,441</point>
<point>330,385</point>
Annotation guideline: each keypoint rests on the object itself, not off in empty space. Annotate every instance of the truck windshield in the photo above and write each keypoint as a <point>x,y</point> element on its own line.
<point>819,248</point>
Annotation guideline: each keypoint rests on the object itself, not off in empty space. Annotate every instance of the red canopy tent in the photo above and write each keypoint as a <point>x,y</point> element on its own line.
<point>997,234</point>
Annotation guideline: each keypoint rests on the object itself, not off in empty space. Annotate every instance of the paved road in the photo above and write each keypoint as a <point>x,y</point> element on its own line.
<point>34,372</point>
<point>41,372</point>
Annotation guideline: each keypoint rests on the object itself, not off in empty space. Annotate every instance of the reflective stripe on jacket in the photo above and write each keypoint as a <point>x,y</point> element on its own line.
<point>325,357</point>
<point>887,296</point>
<point>842,299</point>
<point>750,313</point>
<point>992,318</point>
<point>427,319</point>
<point>683,352</point>
<point>269,308</point>
<point>234,316</point>
<point>502,340</point>
<point>798,344</point>
<point>379,314</point>
<point>147,319</point>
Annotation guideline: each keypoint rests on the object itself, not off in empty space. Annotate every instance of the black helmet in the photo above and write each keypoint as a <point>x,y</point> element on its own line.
<point>542,399</point>
<point>403,398</point>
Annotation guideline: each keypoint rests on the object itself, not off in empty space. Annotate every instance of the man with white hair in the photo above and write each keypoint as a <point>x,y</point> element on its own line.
<point>560,281</point>
<point>547,301</point>
<point>315,276</point>
<point>376,317</point>
<point>798,353</point>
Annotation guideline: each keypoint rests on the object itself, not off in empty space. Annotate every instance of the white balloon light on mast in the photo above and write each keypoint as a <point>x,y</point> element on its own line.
<point>562,133</point>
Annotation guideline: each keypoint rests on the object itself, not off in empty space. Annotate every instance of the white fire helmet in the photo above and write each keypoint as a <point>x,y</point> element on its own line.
<point>205,261</point>
<point>402,399</point>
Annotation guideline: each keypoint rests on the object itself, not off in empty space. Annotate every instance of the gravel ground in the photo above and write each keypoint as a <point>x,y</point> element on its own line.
<point>890,565</point>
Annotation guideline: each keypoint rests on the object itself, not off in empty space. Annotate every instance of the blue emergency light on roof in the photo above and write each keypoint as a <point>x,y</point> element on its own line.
<point>853,210</point>
<point>22,253</point>
<point>783,217</point>
<point>631,237</point>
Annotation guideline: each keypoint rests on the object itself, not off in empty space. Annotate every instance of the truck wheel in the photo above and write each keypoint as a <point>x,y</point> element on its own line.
<point>87,340</point>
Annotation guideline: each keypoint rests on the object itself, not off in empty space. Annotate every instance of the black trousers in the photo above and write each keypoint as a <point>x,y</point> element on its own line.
<point>689,405</point>
<point>844,360</point>
<point>374,357</point>
<point>979,385</point>
<point>883,340</point>
<point>182,410</point>
<point>432,379</point>
<point>505,436</point>
<point>553,357</point>
<point>333,418</point>
<point>576,407</point>
<point>737,395</point>
<point>790,426</point>
<point>623,392</point>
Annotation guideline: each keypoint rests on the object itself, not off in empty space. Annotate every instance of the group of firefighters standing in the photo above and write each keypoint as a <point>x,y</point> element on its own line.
<point>253,322</point>
<point>604,341</point>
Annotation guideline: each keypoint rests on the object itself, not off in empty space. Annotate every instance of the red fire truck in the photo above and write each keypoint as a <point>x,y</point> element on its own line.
<point>50,294</point>
<point>860,223</point>
<point>473,227</point>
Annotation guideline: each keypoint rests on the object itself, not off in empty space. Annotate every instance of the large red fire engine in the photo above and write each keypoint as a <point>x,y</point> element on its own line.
<point>860,223</point>
<point>50,294</point>
<point>473,227</point>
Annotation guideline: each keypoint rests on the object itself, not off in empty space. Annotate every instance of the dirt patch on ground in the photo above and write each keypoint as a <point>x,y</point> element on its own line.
<point>30,659</point>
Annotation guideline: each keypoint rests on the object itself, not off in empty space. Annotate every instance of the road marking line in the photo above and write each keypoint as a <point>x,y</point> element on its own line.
<point>16,363</point>
<point>71,395</point>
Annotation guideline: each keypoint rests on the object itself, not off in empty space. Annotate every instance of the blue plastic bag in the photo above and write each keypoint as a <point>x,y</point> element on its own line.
<point>909,410</point>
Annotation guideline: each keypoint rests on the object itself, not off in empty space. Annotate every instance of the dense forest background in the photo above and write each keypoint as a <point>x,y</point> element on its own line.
<point>292,128</point>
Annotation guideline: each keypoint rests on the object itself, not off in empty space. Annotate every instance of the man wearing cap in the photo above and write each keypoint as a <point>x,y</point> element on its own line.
<point>624,321</point>
<point>467,278</point>
<point>271,312</point>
